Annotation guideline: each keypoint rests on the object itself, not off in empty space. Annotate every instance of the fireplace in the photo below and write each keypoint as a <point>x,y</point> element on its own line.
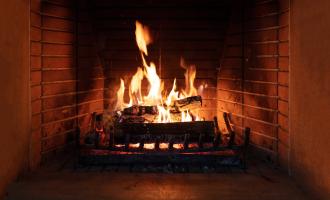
<point>189,82</point>
<point>82,52</point>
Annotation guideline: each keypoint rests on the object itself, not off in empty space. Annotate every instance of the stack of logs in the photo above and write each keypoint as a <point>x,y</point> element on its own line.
<point>141,113</point>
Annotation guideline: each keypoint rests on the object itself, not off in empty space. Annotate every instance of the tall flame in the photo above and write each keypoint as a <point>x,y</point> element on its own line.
<point>135,87</point>
<point>154,96</point>
<point>189,75</point>
<point>155,92</point>
<point>173,95</point>
<point>142,36</point>
<point>120,96</point>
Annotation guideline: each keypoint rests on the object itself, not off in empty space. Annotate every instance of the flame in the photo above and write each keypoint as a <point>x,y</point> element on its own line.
<point>190,76</point>
<point>185,116</point>
<point>120,96</point>
<point>164,115</point>
<point>143,37</point>
<point>154,96</point>
<point>135,87</point>
<point>173,95</point>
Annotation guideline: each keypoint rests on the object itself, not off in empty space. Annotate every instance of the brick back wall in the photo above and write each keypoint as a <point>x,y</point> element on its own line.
<point>193,30</point>
<point>253,77</point>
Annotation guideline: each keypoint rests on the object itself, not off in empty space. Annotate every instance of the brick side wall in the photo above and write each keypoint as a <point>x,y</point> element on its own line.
<point>253,77</point>
<point>57,70</point>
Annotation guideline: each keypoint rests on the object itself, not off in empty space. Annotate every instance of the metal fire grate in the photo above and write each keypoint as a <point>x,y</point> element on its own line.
<point>187,143</point>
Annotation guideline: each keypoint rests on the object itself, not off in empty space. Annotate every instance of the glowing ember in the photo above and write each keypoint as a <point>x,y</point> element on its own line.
<point>149,146</point>
<point>163,145</point>
<point>135,145</point>
<point>178,146</point>
<point>155,96</point>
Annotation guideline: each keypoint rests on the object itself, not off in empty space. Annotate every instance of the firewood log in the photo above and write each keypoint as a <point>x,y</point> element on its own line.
<point>189,103</point>
<point>140,110</point>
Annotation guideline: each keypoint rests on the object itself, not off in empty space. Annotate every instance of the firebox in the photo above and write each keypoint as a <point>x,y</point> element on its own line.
<point>157,121</point>
<point>179,80</point>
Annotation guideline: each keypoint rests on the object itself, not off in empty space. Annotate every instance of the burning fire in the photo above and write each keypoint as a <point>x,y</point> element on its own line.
<point>155,94</point>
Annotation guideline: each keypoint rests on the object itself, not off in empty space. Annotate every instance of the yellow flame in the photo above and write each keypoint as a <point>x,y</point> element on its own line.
<point>135,87</point>
<point>154,96</point>
<point>164,115</point>
<point>120,96</point>
<point>190,76</point>
<point>173,95</point>
<point>143,37</point>
<point>185,116</point>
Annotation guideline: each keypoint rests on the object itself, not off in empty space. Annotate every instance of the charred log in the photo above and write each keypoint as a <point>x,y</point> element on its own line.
<point>131,119</point>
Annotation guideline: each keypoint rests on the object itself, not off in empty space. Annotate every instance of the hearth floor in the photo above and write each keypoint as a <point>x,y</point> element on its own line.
<point>62,181</point>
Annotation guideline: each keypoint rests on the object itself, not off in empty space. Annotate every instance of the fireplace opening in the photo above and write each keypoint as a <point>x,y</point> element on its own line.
<point>156,63</point>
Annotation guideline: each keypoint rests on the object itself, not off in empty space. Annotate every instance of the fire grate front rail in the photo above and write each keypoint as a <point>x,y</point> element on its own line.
<point>182,143</point>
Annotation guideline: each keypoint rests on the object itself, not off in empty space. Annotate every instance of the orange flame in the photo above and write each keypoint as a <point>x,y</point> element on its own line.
<point>120,96</point>
<point>189,75</point>
<point>185,116</point>
<point>154,96</point>
<point>173,95</point>
<point>135,88</point>
<point>143,37</point>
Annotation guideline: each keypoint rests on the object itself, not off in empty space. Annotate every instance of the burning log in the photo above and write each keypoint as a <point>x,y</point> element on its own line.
<point>189,103</point>
<point>142,114</point>
<point>140,110</point>
<point>138,114</point>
